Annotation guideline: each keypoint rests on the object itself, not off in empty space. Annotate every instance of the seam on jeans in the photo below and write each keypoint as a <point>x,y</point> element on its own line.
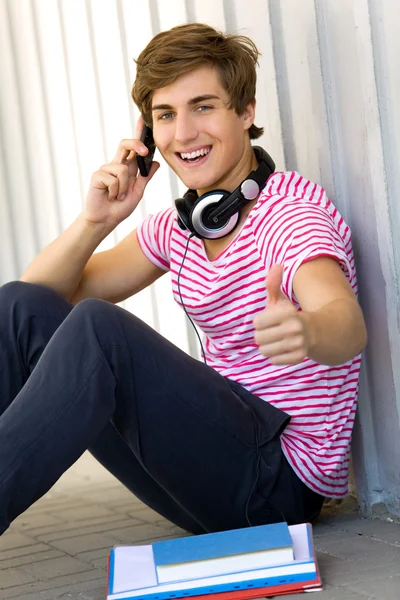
<point>177,395</point>
<point>194,406</point>
<point>87,377</point>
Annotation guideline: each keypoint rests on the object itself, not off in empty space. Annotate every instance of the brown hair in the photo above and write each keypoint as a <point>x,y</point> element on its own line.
<point>186,47</point>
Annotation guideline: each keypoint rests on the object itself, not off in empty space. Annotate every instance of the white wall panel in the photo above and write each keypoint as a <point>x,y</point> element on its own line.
<point>208,11</point>
<point>328,94</point>
<point>267,108</point>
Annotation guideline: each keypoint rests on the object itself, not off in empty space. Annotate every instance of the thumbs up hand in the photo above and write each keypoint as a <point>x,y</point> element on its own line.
<point>280,331</point>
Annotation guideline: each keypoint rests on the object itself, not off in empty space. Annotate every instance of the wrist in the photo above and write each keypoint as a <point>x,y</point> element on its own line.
<point>96,229</point>
<point>309,321</point>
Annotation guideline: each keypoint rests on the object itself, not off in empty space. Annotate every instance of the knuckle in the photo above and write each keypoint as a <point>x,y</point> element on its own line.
<point>295,326</point>
<point>122,170</point>
<point>96,177</point>
<point>297,342</point>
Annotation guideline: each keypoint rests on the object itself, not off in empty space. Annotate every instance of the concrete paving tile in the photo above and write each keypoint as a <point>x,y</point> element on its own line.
<point>93,554</point>
<point>124,498</point>
<point>12,539</point>
<point>12,577</point>
<point>84,512</point>
<point>31,521</point>
<point>23,551</point>
<point>116,522</point>
<point>117,494</point>
<point>146,514</point>
<point>97,594</point>
<point>319,529</point>
<point>56,505</point>
<point>387,587</point>
<point>100,563</point>
<point>81,543</point>
<point>73,526</point>
<point>55,567</point>
<point>94,590</point>
<point>86,580</point>
<point>347,573</point>
<point>358,549</point>
<point>29,558</point>
<point>376,528</point>
<point>96,558</point>
<point>139,533</point>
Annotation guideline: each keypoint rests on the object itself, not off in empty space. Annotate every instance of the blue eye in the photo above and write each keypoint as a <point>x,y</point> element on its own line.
<point>204,108</point>
<point>166,116</point>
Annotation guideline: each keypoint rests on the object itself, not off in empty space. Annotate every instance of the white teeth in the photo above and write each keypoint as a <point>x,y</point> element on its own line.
<point>196,154</point>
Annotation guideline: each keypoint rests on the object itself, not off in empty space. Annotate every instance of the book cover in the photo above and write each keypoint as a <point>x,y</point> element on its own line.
<point>222,552</point>
<point>283,589</point>
<point>132,575</point>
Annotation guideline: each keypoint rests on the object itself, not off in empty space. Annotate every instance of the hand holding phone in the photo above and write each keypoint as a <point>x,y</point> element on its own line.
<point>115,189</point>
<point>145,162</point>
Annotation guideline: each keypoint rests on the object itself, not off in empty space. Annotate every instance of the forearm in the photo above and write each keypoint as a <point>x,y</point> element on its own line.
<point>336,332</point>
<point>60,265</point>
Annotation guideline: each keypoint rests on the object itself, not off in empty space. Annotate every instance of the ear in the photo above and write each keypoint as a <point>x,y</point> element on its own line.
<point>249,114</point>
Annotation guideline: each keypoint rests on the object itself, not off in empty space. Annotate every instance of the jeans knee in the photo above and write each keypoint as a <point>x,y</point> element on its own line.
<point>92,307</point>
<point>32,298</point>
<point>14,291</point>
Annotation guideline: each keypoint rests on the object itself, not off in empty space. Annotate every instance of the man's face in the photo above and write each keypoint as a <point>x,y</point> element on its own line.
<point>203,141</point>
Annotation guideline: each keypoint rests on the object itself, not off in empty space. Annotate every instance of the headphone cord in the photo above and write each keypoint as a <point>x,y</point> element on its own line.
<point>205,361</point>
<point>183,304</point>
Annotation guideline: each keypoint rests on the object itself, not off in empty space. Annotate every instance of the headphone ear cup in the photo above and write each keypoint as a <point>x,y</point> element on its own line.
<point>183,208</point>
<point>183,215</point>
<point>189,199</point>
<point>200,213</point>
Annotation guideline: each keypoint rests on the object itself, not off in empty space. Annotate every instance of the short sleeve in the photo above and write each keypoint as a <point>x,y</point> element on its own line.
<point>154,235</point>
<point>311,232</point>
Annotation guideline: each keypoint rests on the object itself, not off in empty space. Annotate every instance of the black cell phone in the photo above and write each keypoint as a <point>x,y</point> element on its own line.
<point>145,162</point>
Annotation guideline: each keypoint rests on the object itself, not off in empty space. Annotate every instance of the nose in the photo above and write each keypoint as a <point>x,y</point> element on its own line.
<point>185,128</point>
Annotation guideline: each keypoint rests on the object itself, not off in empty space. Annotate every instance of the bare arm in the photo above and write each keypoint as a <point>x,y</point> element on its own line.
<point>68,264</point>
<point>116,274</point>
<point>60,265</point>
<point>330,328</point>
<point>335,324</point>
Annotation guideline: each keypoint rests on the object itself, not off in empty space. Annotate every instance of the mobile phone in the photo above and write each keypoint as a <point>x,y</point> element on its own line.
<point>145,162</point>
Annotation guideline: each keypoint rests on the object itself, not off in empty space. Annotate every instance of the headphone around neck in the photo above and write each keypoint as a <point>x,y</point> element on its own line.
<point>215,214</point>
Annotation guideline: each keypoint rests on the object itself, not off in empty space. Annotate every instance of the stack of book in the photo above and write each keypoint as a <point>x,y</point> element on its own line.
<point>268,560</point>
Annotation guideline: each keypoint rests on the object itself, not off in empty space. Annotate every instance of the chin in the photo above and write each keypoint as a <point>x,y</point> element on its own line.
<point>199,183</point>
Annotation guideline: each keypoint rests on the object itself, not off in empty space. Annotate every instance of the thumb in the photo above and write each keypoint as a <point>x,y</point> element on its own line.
<point>273,284</point>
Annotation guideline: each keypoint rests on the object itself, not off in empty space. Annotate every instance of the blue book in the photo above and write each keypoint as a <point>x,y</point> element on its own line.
<point>132,574</point>
<point>222,552</point>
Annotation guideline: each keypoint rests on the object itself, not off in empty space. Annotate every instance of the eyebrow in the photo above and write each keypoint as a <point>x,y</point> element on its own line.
<point>192,101</point>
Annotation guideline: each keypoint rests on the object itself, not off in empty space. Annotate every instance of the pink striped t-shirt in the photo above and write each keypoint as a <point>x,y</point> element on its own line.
<point>292,222</point>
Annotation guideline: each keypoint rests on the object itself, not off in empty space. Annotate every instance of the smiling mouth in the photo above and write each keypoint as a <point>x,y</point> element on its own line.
<point>195,156</point>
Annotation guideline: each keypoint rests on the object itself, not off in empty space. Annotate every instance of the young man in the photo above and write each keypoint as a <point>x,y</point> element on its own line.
<point>258,432</point>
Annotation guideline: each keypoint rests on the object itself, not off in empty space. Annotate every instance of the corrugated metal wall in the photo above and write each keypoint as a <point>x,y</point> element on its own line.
<point>328,97</point>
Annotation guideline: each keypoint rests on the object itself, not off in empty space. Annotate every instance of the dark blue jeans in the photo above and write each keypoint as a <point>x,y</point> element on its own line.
<point>196,447</point>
